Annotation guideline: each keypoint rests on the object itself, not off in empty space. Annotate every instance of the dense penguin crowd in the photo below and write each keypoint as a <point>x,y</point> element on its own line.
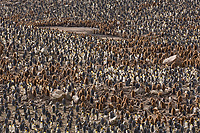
<point>58,81</point>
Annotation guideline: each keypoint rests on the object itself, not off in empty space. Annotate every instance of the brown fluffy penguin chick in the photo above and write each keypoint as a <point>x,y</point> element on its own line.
<point>88,97</point>
<point>1,71</point>
<point>119,100</point>
<point>180,109</point>
<point>97,105</point>
<point>83,98</point>
<point>188,110</point>
<point>83,104</point>
<point>43,91</point>
<point>131,108</point>
<point>86,81</point>
<point>103,100</point>
<point>47,92</point>
<point>111,106</point>
<point>173,90</point>
<point>34,71</point>
<point>100,106</point>
<point>121,93</point>
<point>179,99</point>
<point>147,90</point>
<point>124,105</point>
<point>163,87</point>
<point>72,93</point>
<point>115,86</point>
<point>109,82</point>
<point>120,85</point>
<point>132,93</point>
<point>191,120</point>
<point>158,87</point>
<point>159,94</point>
<point>178,93</point>
<point>54,77</point>
<point>173,111</point>
<point>141,106</point>
<point>118,106</point>
<point>106,95</point>
<point>34,93</point>
<point>163,105</point>
<point>153,103</point>
<point>131,102</point>
<point>113,99</point>
<point>153,86</point>
<point>169,105</point>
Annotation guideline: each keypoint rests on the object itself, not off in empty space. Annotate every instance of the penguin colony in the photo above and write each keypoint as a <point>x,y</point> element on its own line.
<point>56,81</point>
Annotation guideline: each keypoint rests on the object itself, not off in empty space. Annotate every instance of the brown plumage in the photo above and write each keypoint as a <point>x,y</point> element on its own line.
<point>54,84</point>
<point>153,86</point>
<point>173,111</point>
<point>64,73</point>
<point>88,97</point>
<point>163,105</point>
<point>120,85</point>
<point>83,104</point>
<point>124,105</point>
<point>159,94</point>
<point>81,92</point>
<point>83,98</point>
<point>184,107</point>
<point>110,105</point>
<point>131,108</point>
<point>118,106</point>
<point>153,103</point>
<point>106,95</point>
<point>113,99</point>
<point>47,93</point>
<point>26,73</point>
<point>121,93</point>
<point>119,100</point>
<point>182,120</point>
<point>100,106</point>
<point>34,71</point>
<point>164,119</point>
<point>115,86</point>
<point>178,105</point>
<point>103,100</point>
<point>141,106</point>
<point>86,81</point>
<point>156,120</point>
<point>173,65</point>
<point>179,99</point>
<point>173,90</point>
<point>72,93</point>
<point>191,120</point>
<point>54,77</point>
<point>126,100</point>
<point>109,82</point>
<point>169,105</point>
<point>186,96</point>
<point>1,71</point>
<point>180,109</point>
<point>191,109</point>
<point>132,93</point>
<point>158,86</point>
<point>34,93</point>
<point>152,121</point>
<point>97,105</point>
<point>178,93</point>
<point>147,90</point>
<point>43,91</point>
<point>131,102</point>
